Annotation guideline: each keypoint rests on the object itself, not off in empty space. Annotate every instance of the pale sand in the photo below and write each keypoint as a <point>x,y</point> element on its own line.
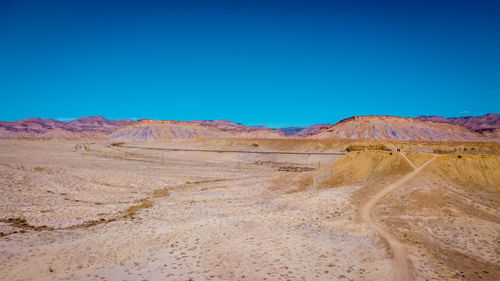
<point>223,219</point>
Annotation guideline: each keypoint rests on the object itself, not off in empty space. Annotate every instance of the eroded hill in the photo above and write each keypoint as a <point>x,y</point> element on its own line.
<point>396,128</point>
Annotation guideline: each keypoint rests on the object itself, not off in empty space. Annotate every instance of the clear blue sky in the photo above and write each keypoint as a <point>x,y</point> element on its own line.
<point>277,63</point>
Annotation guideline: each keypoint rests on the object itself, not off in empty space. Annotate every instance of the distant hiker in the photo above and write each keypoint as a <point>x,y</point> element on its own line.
<point>399,150</point>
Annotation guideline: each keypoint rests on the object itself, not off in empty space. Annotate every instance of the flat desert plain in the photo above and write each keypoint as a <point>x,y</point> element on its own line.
<point>226,211</point>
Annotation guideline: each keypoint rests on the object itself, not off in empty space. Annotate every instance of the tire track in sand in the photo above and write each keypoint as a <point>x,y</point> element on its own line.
<point>401,266</point>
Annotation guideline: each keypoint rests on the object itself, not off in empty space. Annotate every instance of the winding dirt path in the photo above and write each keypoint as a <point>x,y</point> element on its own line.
<point>401,268</point>
<point>408,160</point>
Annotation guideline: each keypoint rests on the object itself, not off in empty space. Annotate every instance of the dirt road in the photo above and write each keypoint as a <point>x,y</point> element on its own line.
<point>401,267</point>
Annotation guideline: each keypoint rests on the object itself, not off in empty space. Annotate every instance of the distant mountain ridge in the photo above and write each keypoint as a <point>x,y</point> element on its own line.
<point>429,128</point>
<point>85,127</point>
<point>166,129</point>
<point>288,131</point>
<point>380,127</point>
<point>311,130</point>
<point>486,122</point>
<point>226,125</point>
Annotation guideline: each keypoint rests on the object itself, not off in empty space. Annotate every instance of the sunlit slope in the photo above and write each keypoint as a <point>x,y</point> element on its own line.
<point>397,128</point>
<point>358,167</point>
<point>161,130</point>
<point>362,167</point>
<point>166,130</point>
<point>470,171</point>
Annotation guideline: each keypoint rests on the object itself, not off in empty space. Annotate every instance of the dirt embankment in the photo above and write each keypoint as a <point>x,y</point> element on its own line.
<point>472,172</point>
<point>358,167</point>
<point>446,216</point>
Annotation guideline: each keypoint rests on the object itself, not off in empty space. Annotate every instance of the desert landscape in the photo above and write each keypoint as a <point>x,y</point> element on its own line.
<point>368,198</point>
<point>303,140</point>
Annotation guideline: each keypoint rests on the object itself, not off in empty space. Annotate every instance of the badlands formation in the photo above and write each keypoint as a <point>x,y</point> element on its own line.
<point>86,127</point>
<point>377,127</point>
<point>368,198</point>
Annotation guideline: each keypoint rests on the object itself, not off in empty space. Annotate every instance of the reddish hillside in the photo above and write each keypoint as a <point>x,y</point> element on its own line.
<point>360,127</point>
<point>97,124</point>
<point>311,130</point>
<point>240,130</point>
<point>159,130</point>
<point>486,122</point>
<point>397,128</point>
<point>86,127</point>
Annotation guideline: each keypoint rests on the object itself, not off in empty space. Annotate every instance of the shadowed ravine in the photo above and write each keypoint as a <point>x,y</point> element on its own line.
<point>401,266</point>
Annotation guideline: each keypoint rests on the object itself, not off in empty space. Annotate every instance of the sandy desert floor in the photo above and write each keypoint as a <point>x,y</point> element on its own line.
<point>74,211</point>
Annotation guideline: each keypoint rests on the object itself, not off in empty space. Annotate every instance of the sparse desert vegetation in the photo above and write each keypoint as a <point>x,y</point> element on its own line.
<point>201,212</point>
<point>249,140</point>
<point>360,147</point>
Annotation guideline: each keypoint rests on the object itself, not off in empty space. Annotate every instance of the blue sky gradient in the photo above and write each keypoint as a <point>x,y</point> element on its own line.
<point>275,63</point>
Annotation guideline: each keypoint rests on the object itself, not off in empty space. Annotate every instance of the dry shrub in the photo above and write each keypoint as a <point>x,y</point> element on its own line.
<point>23,224</point>
<point>39,169</point>
<point>445,150</point>
<point>160,192</point>
<point>361,147</point>
<point>132,210</point>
